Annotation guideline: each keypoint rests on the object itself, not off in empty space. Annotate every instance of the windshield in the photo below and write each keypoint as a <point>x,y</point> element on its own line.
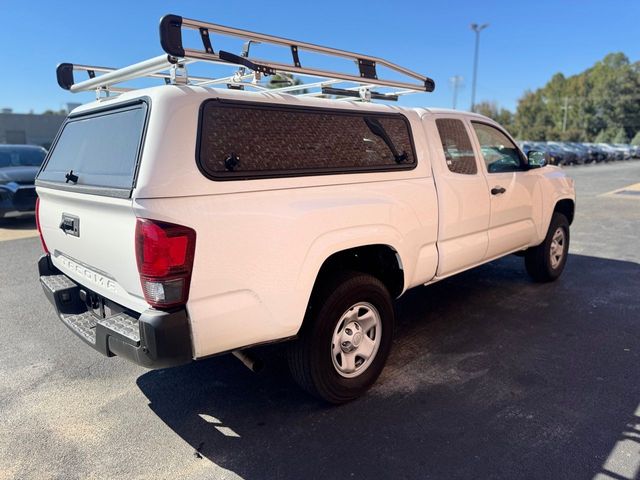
<point>99,150</point>
<point>21,156</point>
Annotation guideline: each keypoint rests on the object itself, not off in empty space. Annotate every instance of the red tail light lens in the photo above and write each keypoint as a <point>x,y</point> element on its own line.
<point>44,245</point>
<point>164,252</point>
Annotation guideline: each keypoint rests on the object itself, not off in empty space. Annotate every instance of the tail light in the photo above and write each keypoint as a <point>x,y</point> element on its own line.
<point>44,245</point>
<point>164,252</point>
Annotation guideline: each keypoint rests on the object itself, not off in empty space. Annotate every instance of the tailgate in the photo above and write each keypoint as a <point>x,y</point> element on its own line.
<point>85,213</point>
<point>99,253</point>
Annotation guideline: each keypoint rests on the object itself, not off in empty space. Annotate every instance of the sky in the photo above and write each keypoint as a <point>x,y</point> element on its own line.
<point>525,43</point>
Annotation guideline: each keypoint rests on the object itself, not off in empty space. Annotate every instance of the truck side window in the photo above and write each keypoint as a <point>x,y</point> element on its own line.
<point>240,140</point>
<point>499,152</point>
<point>458,151</point>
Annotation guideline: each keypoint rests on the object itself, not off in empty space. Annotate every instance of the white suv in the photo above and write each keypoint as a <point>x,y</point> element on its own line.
<point>184,221</point>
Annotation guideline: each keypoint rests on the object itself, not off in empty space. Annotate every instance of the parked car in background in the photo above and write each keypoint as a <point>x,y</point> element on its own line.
<point>627,150</point>
<point>599,153</point>
<point>586,153</point>
<point>19,165</point>
<point>582,154</point>
<point>558,154</point>
<point>571,156</point>
<point>568,153</point>
<point>612,153</point>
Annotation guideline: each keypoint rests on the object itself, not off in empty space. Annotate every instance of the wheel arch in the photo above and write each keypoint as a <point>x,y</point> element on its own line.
<point>379,260</point>
<point>566,207</point>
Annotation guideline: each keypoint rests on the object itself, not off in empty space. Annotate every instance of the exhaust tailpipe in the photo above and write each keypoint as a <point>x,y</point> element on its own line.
<point>252,362</point>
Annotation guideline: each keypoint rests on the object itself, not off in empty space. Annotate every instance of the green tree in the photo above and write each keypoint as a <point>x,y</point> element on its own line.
<point>533,120</point>
<point>501,115</point>
<point>596,103</point>
<point>621,136</point>
<point>571,135</point>
<point>636,139</point>
<point>604,136</point>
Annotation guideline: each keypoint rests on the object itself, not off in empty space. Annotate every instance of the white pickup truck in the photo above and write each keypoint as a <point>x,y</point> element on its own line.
<point>184,221</point>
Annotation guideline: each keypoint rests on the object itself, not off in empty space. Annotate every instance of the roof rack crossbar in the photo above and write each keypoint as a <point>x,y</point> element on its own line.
<point>91,71</point>
<point>371,95</point>
<point>140,69</point>
<point>305,86</point>
<point>171,66</point>
<point>356,88</point>
<point>171,41</point>
<point>205,82</point>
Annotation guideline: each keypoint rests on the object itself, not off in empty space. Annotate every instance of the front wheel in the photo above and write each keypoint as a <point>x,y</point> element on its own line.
<point>546,262</point>
<point>345,339</point>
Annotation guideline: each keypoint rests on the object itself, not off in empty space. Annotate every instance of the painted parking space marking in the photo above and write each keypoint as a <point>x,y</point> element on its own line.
<point>630,191</point>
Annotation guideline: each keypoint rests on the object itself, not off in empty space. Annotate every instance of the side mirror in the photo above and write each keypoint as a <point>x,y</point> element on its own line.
<point>536,159</point>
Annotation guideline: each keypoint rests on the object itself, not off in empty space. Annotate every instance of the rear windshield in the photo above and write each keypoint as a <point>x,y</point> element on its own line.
<point>21,156</point>
<point>101,149</point>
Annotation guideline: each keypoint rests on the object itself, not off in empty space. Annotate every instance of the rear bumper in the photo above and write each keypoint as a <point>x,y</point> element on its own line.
<point>153,339</point>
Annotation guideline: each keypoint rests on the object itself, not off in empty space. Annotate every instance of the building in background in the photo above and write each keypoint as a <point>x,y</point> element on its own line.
<point>31,128</point>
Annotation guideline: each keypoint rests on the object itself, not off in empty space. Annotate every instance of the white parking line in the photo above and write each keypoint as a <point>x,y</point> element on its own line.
<point>630,191</point>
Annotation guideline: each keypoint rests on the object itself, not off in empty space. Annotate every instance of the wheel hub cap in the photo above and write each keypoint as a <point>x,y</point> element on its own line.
<point>556,249</point>
<point>351,337</point>
<point>356,339</point>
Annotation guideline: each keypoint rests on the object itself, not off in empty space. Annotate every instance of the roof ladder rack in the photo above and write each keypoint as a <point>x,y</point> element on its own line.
<point>172,66</point>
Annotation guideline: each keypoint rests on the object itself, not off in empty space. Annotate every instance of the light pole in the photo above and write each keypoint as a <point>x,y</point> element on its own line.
<point>476,28</point>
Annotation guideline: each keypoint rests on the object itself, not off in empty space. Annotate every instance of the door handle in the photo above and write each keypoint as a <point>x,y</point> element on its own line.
<point>66,224</point>
<point>70,224</point>
<point>498,190</point>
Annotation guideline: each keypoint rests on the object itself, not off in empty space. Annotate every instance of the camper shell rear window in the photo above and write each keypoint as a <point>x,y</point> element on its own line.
<point>244,140</point>
<point>98,152</point>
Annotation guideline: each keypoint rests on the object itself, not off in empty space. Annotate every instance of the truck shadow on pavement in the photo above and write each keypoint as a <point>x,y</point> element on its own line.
<point>491,376</point>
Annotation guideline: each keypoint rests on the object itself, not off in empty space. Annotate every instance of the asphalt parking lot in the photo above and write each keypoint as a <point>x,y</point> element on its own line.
<point>492,376</point>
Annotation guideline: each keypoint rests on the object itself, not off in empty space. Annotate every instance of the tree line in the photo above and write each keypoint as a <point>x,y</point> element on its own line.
<point>601,104</point>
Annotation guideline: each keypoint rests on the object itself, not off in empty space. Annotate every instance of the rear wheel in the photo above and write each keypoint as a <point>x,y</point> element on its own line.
<point>345,339</point>
<point>546,262</point>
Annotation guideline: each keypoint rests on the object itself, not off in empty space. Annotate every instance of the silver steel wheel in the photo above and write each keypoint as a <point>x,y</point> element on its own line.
<point>356,339</point>
<point>556,251</point>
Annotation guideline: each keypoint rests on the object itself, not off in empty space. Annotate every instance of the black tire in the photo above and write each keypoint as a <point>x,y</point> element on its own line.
<point>538,259</point>
<point>310,356</point>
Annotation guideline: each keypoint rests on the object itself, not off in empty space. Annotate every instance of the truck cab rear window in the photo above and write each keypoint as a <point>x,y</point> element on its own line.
<point>101,149</point>
<point>244,140</point>
<point>458,152</point>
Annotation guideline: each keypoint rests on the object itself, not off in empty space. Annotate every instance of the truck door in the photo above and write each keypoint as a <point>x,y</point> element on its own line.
<point>463,198</point>
<point>513,190</point>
